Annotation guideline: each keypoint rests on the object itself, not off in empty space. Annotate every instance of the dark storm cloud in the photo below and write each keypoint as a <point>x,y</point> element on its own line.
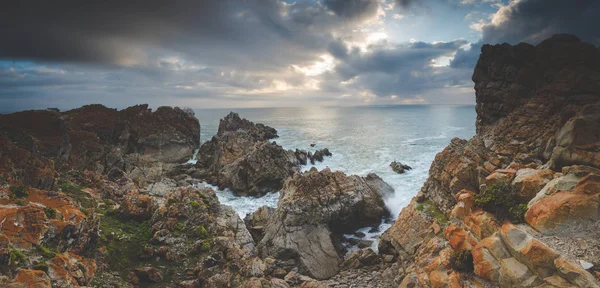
<point>402,70</point>
<point>353,9</point>
<point>125,32</point>
<point>532,21</point>
<point>535,20</point>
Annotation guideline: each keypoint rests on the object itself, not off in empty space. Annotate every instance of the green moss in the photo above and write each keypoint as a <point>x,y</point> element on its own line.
<point>19,192</point>
<point>205,246</point>
<point>194,204</point>
<point>50,212</point>
<point>431,210</point>
<point>76,192</point>
<point>17,258</point>
<point>501,200</point>
<point>178,229</point>
<point>200,232</point>
<point>45,252</point>
<point>462,261</point>
<point>124,240</point>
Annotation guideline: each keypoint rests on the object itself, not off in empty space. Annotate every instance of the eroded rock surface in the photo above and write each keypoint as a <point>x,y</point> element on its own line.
<point>313,209</point>
<point>537,137</point>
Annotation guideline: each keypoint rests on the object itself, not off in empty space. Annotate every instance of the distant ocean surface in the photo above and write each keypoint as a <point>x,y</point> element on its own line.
<point>362,139</point>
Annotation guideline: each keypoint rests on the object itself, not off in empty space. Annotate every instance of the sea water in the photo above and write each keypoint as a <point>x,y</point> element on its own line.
<point>363,140</point>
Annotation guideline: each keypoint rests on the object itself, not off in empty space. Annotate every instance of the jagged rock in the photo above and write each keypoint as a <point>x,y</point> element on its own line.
<point>533,114</point>
<point>240,157</point>
<point>301,156</point>
<point>407,233</point>
<point>400,168</point>
<point>233,123</point>
<point>314,206</point>
<point>256,222</point>
<point>97,138</point>
<point>318,155</point>
<point>262,170</point>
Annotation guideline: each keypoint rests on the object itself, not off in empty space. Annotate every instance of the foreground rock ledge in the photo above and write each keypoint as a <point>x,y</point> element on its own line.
<point>313,209</point>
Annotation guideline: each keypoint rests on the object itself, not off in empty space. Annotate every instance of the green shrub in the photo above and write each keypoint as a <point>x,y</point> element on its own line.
<point>19,192</point>
<point>50,212</point>
<point>501,200</point>
<point>200,231</point>
<point>205,246</point>
<point>125,240</point>
<point>17,258</point>
<point>462,261</point>
<point>431,210</point>
<point>194,204</point>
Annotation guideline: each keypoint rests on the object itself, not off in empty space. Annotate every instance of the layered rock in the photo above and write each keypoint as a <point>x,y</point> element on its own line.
<point>313,208</point>
<point>537,137</point>
<point>241,158</point>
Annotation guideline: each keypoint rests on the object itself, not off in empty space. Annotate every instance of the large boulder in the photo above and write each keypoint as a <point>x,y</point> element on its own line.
<point>241,158</point>
<point>570,205</point>
<point>313,208</point>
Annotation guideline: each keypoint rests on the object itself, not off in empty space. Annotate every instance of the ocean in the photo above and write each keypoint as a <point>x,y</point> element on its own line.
<point>362,140</point>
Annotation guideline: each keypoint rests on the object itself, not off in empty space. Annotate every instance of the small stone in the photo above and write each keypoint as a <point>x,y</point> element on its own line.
<point>586,265</point>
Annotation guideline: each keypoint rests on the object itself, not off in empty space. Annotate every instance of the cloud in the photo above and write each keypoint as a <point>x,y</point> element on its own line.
<point>532,21</point>
<point>353,9</point>
<point>260,52</point>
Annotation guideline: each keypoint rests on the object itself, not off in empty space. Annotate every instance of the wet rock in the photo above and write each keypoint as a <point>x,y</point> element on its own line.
<point>399,168</point>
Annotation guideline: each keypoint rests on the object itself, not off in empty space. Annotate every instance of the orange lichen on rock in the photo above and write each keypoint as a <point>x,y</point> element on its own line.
<point>68,269</point>
<point>564,207</point>
<point>30,279</point>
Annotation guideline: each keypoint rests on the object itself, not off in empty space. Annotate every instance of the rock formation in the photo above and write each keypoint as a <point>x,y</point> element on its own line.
<point>144,144</point>
<point>316,207</point>
<point>240,157</point>
<point>399,168</point>
<point>537,141</point>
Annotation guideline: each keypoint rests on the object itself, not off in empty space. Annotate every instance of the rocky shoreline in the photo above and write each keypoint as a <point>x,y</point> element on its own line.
<point>99,197</point>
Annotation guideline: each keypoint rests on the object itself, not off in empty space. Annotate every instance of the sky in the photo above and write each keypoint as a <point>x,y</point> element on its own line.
<point>263,53</point>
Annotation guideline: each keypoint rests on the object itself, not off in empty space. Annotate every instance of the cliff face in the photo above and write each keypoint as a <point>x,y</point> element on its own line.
<point>35,144</point>
<point>538,131</point>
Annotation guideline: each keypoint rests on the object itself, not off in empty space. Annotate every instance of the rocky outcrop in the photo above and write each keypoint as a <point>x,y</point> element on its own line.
<point>241,158</point>
<point>316,207</point>
<point>537,122</point>
<point>399,168</point>
<point>142,143</point>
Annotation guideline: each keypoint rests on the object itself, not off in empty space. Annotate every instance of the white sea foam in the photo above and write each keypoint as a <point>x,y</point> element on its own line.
<point>362,141</point>
<point>244,205</point>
